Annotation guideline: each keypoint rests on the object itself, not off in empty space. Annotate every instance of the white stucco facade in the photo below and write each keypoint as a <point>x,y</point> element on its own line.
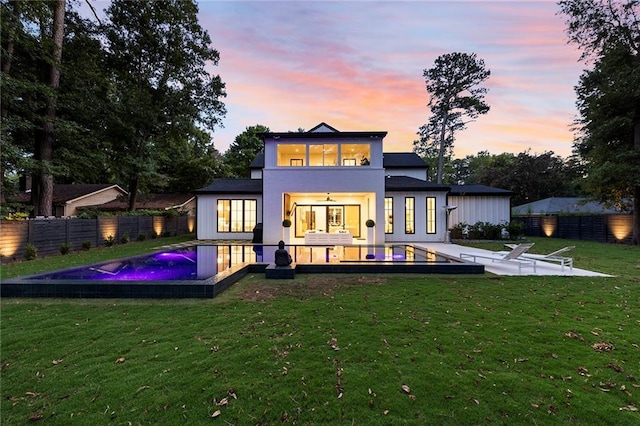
<point>326,181</point>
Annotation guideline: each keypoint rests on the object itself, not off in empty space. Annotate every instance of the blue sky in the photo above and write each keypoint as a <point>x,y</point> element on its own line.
<point>358,65</point>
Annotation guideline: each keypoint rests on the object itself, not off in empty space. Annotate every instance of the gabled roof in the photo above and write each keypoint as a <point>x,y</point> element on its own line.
<point>323,127</point>
<point>556,205</point>
<point>232,186</point>
<point>404,160</point>
<point>149,201</point>
<point>478,190</point>
<point>66,193</point>
<point>405,183</point>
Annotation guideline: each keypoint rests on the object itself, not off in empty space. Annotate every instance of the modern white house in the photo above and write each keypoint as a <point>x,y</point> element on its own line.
<point>328,184</point>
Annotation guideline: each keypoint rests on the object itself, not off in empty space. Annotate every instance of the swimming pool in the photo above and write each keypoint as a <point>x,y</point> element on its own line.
<point>206,270</point>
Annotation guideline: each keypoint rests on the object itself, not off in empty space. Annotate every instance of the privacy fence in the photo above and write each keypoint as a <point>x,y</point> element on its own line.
<point>616,228</point>
<point>48,235</point>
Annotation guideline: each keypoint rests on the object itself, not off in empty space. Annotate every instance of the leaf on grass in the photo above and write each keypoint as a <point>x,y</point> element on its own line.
<point>629,407</point>
<point>616,368</point>
<point>623,388</point>
<point>120,360</point>
<point>223,401</point>
<point>573,334</point>
<point>333,343</point>
<point>232,393</point>
<point>57,361</point>
<point>215,348</point>
<point>406,389</point>
<point>216,414</point>
<point>141,388</point>
<point>30,394</point>
<point>582,370</point>
<point>385,412</point>
<point>603,347</point>
<point>35,417</point>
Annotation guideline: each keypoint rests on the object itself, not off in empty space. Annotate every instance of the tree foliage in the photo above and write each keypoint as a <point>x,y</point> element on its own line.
<point>608,128</point>
<point>455,94</point>
<point>243,150</point>
<point>158,54</point>
<point>531,177</point>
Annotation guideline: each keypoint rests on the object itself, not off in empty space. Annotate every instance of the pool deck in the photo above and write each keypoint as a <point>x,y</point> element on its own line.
<point>509,268</point>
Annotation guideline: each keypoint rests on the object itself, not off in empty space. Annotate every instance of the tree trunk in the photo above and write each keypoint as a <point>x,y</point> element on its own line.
<point>443,138</point>
<point>636,192</point>
<point>133,192</point>
<point>43,196</point>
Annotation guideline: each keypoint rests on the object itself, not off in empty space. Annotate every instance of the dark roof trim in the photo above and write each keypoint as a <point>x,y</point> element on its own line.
<point>405,183</point>
<point>232,186</point>
<point>479,190</point>
<point>321,135</point>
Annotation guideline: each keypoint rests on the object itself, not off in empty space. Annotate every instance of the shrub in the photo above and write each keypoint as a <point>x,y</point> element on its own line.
<point>110,241</point>
<point>166,234</point>
<point>65,248</point>
<point>86,245</point>
<point>30,252</point>
<point>142,236</point>
<point>154,235</point>
<point>125,238</point>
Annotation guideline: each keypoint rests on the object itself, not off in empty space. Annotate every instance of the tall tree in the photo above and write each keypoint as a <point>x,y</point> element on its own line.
<point>608,33</point>
<point>244,149</point>
<point>159,56</point>
<point>453,85</point>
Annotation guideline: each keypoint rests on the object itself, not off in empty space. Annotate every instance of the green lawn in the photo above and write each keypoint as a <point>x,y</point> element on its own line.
<point>337,349</point>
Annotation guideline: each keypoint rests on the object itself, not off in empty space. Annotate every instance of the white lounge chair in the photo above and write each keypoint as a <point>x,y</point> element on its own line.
<point>514,256</point>
<point>551,257</point>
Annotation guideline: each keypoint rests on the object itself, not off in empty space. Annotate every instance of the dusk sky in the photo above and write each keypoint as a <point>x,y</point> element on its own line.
<point>358,65</point>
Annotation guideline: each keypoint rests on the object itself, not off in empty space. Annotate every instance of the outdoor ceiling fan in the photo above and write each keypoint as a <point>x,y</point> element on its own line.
<point>328,199</point>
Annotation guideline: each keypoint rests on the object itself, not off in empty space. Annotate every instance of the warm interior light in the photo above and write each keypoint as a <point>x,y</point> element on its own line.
<point>191,223</point>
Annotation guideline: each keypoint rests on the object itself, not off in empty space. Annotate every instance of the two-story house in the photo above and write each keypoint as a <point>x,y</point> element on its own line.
<point>328,184</point>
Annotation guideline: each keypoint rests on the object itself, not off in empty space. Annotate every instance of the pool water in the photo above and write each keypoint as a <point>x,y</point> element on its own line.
<point>207,270</point>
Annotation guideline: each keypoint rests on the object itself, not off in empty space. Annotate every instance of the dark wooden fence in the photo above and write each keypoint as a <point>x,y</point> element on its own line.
<point>48,235</point>
<point>601,228</point>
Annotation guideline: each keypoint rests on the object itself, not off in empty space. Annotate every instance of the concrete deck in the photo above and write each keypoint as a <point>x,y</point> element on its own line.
<point>509,268</point>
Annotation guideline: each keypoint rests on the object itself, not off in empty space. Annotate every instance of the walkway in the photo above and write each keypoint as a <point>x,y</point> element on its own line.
<point>509,268</point>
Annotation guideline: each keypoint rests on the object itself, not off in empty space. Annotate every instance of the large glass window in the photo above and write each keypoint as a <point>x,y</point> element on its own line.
<point>323,155</point>
<point>431,215</point>
<point>237,215</point>
<point>356,154</point>
<point>388,215</point>
<point>292,155</point>
<point>409,215</point>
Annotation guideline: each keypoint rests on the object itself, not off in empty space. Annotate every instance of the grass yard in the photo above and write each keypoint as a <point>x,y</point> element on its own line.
<point>337,349</point>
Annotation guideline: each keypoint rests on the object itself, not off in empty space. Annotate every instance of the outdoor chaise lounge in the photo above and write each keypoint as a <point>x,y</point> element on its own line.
<point>551,257</point>
<point>514,256</point>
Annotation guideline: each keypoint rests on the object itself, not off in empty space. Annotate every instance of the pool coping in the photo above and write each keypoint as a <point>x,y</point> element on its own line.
<point>28,286</point>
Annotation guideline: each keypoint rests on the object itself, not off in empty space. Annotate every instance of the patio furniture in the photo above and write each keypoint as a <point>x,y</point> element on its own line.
<point>551,257</point>
<point>514,256</point>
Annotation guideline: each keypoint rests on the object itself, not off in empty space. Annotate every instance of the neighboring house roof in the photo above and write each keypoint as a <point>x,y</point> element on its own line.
<point>149,201</point>
<point>478,190</point>
<point>556,205</point>
<point>405,183</point>
<point>65,193</point>
<point>391,160</point>
<point>404,160</point>
<point>232,186</point>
